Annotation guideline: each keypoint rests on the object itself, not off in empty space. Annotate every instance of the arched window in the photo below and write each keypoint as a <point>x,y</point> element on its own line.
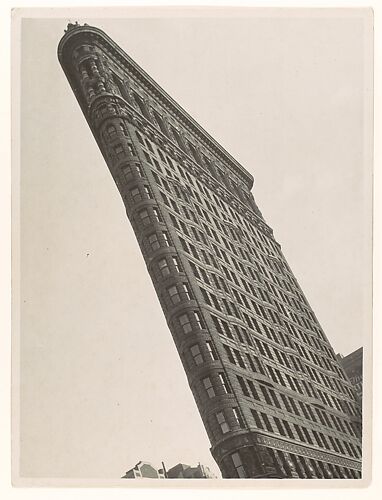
<point>160,122</point>
<point>178,138</point>
<point>142,106</point>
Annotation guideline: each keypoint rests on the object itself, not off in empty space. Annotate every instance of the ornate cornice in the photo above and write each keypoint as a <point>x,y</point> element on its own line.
<point>225,446</point>
<point>298,449</point>
<point>92,33</point>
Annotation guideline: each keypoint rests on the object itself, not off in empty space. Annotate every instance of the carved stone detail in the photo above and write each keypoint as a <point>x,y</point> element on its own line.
<point>307,452</point>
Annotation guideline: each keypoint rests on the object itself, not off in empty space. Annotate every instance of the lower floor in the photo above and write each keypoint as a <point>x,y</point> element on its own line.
<point>264,462</point>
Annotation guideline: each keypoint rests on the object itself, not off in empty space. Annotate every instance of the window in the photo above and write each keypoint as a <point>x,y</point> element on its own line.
<point>142,105</point>
<point>267,422</point>
<point>147,191</point>
<point>243,386</point>
<point>174,294</point>
<point>229,354</point>
<point>193,151</point>
<point>208,387</point>
<point>127,172</point>
<point>178,138</point>
<point>186,291</point>
<point>211,350</point>
<point>136,194</point>
<point>298,430</point>
<point>236,460</point>
<point>153,241</point>
<point>149,146</point>
<point>160,122</point>
<point>266,395</point>
<point>224,383</point>
<point>239,358</point>
<point>184,244</point>
<point>166,239</point>
<point>275,398</point>
<point>196,354</point>
<point>140,139</point>
<point>222,422</point>
<point>238,417</point>
<point>279,426</point>
<point>176,264</point>
<point>145,217</point>
<point>257,419</point>
<point>163,267</point>
<point>288,429</point>
<point>185,323</point>
<point>198,319</point>
<point>157,214</point>
<point>217,324</point>
<point>255,395</point>
<point>147,156</point>
<point>139,170</point>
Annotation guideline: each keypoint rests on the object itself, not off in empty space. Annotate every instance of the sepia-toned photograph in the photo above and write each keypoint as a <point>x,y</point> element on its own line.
<point>192,246</point>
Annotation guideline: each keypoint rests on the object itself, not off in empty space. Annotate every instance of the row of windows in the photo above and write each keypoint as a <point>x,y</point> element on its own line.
<point>224,329</point>
<point>179,293</point>
<point>211,300</point>
<point>137,195</point>
<point>189,148</point>
<point>308,467</point>
<point>199,236</point>
<point>190,321</point>
<point>228,419</point>
<point>289,464</point>
<point>212,389</point>
<point>259,392</point>
<point>228,212</point>
<point>167,264</point>
<point>197,354</point>
<point>265,240</point>
<point>148,194</point>
<point>301,433</point>
<point>156,240</point>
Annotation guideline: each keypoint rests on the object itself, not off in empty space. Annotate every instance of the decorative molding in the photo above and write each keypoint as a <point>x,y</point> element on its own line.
<point>307,452</point>
<point>120,57</point>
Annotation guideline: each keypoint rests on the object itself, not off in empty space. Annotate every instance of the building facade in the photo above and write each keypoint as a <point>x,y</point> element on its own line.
<point>272,395</point>
<point>144,470</point>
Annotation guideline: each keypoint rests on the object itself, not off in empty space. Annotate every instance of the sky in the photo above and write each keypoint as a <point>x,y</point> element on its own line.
<point>101,383</point>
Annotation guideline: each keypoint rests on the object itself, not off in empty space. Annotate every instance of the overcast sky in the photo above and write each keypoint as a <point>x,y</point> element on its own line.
<point>102,385</point>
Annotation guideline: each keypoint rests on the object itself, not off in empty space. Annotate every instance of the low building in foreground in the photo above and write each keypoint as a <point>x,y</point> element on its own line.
<point>145,470</point>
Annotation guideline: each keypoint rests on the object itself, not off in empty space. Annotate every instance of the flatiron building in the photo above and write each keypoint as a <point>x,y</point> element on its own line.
<point>273,398</point>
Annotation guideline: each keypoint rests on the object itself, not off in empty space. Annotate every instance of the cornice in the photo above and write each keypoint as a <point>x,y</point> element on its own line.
<point>90,32</point>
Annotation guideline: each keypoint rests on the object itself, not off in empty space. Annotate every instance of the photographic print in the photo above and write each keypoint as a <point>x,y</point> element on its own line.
<point>192,246</point>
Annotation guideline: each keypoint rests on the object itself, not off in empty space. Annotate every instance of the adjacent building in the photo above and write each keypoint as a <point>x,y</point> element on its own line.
<point>352,364</point>
<point>144,470</point>
<point>274,399</point>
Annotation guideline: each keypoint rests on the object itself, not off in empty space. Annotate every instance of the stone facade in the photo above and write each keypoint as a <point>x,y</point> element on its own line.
<point>274,399</point>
